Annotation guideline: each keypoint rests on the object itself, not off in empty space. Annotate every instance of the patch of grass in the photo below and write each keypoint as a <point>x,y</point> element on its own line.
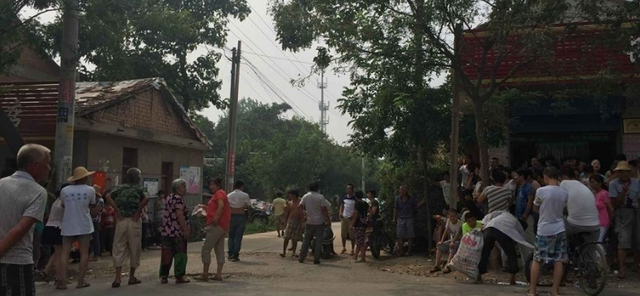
<point>259,227</point>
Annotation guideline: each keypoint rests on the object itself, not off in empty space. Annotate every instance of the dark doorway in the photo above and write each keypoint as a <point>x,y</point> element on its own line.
<point>167,177</point>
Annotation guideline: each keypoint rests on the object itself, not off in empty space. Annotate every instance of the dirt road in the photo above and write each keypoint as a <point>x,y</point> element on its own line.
<point>263,272</point>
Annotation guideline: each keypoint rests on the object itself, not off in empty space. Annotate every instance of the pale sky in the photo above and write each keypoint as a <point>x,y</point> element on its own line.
<point>260,47</point>
<point>276,68</point>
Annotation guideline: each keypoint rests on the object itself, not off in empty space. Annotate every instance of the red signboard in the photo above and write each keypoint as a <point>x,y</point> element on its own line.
<point>577,56</point>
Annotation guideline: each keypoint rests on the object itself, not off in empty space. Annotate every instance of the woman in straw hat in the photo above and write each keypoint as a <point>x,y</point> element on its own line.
<point>78,200</point>
<point>624,192</point>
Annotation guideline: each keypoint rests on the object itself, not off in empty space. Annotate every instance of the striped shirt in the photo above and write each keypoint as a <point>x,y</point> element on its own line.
<point>20,196</point>
<point>498,198</point>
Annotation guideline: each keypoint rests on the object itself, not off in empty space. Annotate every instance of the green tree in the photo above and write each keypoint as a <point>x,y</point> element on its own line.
<point>129,39</point>
<point>363,32</point>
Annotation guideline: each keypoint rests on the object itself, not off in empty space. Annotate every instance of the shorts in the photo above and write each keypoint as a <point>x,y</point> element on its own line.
<point>280,220</point>
<point>346,230</point>
<point>550,249</point>
<point>445,248</point>
<point>85,238</point>
<point>294,230</point>
<point>405,229</point>
<point>51,236</point>
<point>627,227</point>
<point>17,280</point>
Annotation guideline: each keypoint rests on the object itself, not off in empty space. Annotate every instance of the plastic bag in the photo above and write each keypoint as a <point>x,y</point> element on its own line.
<point>469,253</point>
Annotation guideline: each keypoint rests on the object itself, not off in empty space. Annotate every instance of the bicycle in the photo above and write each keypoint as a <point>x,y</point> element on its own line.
<point>587,261</point>
<point>198,231</point>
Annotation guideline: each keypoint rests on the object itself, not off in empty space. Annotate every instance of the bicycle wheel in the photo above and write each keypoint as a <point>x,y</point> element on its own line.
<point>593,269</point>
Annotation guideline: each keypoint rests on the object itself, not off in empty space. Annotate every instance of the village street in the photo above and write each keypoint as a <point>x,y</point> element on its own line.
<point>263,272</point>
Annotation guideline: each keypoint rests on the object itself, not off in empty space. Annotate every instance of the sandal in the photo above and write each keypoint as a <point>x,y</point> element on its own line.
<point>201,278</point>
<point>182,280</point>
<point>446,270</point>
<point>531,294</point>
<point>435,269</point>
<point>134,281</point>
<point>164,281</point>
<point>115,285</point>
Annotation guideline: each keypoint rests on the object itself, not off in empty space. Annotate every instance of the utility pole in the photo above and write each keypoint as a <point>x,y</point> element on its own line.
<point>63,150</point>
<point>233,116</point>
<point>455,121</point>
<point>324,121</point>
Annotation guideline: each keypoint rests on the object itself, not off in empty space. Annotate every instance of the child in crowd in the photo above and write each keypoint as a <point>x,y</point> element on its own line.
<point>359,223</point>
<point>470,223</point>
<point>449,242</point>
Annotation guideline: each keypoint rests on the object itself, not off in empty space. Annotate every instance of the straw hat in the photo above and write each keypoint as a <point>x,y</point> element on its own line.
<point>98,189</point>
<point>79,173</point>
<point>622,166</point>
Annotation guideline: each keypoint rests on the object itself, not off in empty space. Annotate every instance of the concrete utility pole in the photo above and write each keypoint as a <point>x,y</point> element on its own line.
<point>324,121</point>
<point>455,121</point>
<point>233,117</point>
<point>63,150</point>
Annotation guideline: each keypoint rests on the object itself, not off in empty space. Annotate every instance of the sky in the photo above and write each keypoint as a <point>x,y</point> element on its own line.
<point>277,67</point>
<point>269,80</point>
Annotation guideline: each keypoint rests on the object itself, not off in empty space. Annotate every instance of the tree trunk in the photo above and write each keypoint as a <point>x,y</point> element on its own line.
<point>483,145</point>
<point>422,157</point>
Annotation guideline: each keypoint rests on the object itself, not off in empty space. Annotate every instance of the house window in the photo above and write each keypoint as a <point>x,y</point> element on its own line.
<point>129,159</point>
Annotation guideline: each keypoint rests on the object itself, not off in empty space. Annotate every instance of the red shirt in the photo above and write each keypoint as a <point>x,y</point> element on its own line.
<point>212,209</point>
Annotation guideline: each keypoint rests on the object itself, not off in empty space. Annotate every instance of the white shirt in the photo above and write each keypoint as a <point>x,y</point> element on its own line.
<point>581,204</point>
<point>465,175</point>
<point>56,215</point>
<point>239,199</point>
<point>446,191</point>
<point>349,206</point>
<point>454,228</point>
<point>313,202</point>
<point>20,196</point>
<point>507,224</point>
<point>77,215</point>
<point>551,199</point>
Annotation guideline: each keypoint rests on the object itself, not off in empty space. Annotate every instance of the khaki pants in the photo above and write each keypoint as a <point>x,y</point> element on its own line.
<point>214,241</point>
<point>127,242</point>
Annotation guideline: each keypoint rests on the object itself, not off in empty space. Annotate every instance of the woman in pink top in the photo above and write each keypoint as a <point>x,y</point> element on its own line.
<point>603,203</point>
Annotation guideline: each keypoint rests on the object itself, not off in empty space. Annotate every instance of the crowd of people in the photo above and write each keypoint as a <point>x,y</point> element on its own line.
<point>543,207</point>
<point>536,207</point>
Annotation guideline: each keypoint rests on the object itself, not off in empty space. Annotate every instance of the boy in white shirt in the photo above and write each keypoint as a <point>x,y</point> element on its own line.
<point>551,238</point>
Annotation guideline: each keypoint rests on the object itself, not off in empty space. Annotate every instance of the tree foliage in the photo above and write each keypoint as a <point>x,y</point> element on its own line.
<point>385,32</point>
<point>275,153</point>
<point>129,39</point>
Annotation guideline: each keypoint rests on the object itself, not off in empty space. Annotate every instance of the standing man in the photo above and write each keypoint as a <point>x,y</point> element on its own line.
<point>128,200</point>
<point>22,204</point>
<point>624,192</point>
<point>403,210</point>
<point>497,196</point>
<point>295,223</point>
<point>238,201</point>
<point>96,213</point>
<point>78,201</point>
<point>551,239</point>
<point>347,207</point>
<point>445,185</point>
<point>279,205</point>
<point>315,206</point>
<point>583,214</point>
<point>524,201</point>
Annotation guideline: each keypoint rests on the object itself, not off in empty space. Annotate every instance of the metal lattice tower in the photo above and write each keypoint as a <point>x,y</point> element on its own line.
<point>324,119</point>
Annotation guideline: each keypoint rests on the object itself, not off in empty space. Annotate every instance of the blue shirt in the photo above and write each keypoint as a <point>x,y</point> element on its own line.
<point>406,208</point>
<point>522,199</point>
<point>615,189</point>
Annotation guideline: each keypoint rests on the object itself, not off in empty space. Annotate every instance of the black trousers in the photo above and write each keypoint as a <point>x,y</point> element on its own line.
<point>491,236</point>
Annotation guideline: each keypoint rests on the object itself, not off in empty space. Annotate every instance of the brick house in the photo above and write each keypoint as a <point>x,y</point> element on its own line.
<point>118,125</point>
<point>568,127</point>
